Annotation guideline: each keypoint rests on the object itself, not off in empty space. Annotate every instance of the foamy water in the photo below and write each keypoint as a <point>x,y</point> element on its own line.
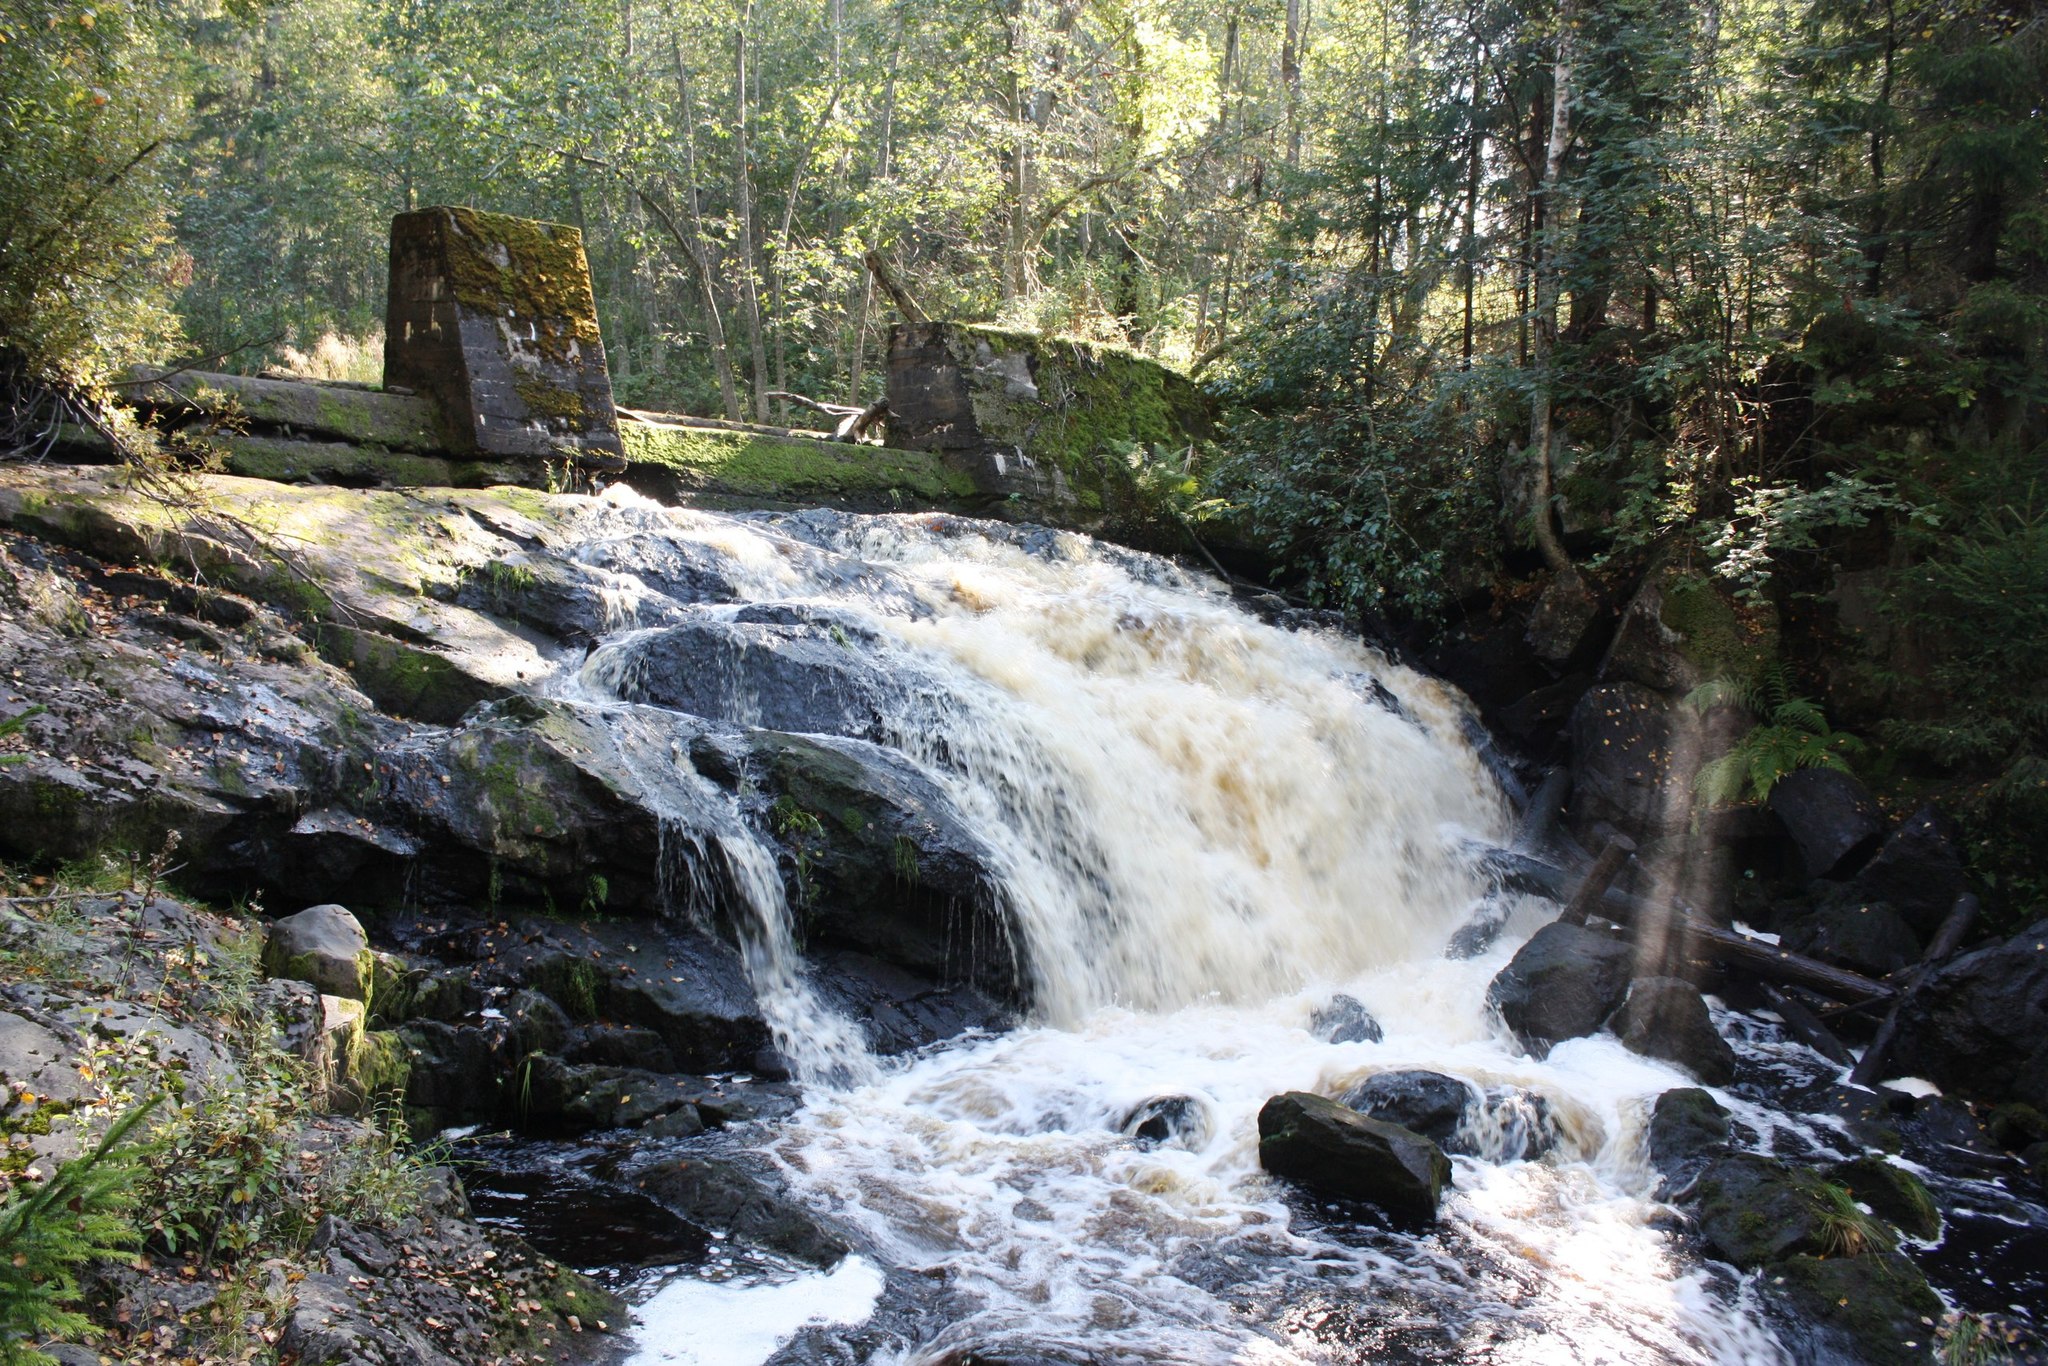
<point>1202,826</point>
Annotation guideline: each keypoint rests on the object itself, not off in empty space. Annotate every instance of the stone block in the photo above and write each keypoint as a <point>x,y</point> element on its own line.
<point>492,317</point>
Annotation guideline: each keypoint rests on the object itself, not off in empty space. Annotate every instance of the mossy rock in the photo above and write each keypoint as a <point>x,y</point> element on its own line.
<point>1757,1210</point>
<point>1878,1302</point>
<point>412,681</point>
<point>378,1067</point>
<point>1072,433</point>
<point>684,464</point>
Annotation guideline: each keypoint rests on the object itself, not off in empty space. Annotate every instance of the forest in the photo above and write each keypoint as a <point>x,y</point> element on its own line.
<point>1683,358</point>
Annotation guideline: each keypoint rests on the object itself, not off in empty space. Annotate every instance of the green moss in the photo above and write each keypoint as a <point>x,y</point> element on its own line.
<point>379,1065</point>
<point>793,470</point>
<point>1720,639</point>
<point>543,399</point>
<point>536,271</point>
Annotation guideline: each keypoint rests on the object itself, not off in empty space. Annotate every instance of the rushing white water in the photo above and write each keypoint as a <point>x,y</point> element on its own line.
<point>1203,826</point>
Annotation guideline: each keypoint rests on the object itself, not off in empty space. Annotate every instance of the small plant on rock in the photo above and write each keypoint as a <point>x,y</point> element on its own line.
<point>1846,1229</point>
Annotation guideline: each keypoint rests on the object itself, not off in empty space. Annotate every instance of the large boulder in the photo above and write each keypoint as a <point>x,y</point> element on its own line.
<point>1980,1027</point>
<point>1666,1018</point>
<point>1428,1103</point>
<point>1894,1194</point>
<point>1916,871</point>
<point>1333,1150</point>
<point>1867,936</point>
<point>325,946</point>
<point>1562,984</point>
<point>1831,817</point>
<point>1632,761</point>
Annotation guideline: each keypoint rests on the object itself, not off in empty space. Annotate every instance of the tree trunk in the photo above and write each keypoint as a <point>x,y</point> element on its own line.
<point>1543,328</point>
<point>1290,79</point>
<point>692,243</point>
<point>743,201</point>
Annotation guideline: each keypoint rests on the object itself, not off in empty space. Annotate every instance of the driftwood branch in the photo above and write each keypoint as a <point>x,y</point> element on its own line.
<point>1592,891</point>
<point>893,287</point>
<point>1807,1026</point>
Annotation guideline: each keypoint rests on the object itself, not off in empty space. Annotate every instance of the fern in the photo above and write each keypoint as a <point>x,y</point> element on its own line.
<point>1791,733</point>
<point>48,1232</point>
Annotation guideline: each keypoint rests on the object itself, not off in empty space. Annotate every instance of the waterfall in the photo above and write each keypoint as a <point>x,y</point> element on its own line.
<point>1203,824</point>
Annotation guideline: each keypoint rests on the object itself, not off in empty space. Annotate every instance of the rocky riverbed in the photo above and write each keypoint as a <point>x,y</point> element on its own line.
<point>947,918</point>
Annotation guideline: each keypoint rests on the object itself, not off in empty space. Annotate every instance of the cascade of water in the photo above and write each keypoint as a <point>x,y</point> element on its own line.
<point>1203,824</point>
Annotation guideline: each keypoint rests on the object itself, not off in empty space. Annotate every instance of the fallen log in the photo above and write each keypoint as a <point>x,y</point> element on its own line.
<point>1949,938</point>
<point>716,424</point>
<point>856,424</point>
<point>1807,1026</point>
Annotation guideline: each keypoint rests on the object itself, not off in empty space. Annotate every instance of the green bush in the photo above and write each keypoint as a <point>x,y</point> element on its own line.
<point>49,1232</point>
<point>90,106</point>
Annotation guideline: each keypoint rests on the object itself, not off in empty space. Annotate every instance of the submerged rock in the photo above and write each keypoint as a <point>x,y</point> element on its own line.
<point>1688,1129</point>
<point>1562,984</point>
<point>1333,1150</point>
<point>1344,1020</point>
<point>1428,1103</point>
<point>1181,1121</point>
<point>1665,1017</point>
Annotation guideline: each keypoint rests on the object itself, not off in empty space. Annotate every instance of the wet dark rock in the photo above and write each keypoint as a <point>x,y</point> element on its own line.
<point>1867,936</point>
<point>1333,1150</point>
<point>1562,984</point>
<point>1429,1103</point>
<point>1177,1121</point>
<point>1625,772</point>
<point>900,875</point>
<point>1344,1020</point>
<point>898,1010</point>
<point>1688,1129</point>
<point>1875,1308</point>
<point>1756,1210</point>
<point>687,990</point>
<point>719,1192</point>
<point>1894,1194</point>
<point>1830,816</point>
<point>609,1045</point>
<point>811,671</point>
<point>1979,1026</point>
<point>1870,1118</point>
<point>1916,871</point>
<point>557,1097</point>
<point>323,945</point>
<point>534,1024</point>
<point>455,1074</point>
<point>1666,1018</point>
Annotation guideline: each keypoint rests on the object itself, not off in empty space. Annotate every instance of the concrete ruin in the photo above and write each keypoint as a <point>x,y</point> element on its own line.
<point>493,319</point>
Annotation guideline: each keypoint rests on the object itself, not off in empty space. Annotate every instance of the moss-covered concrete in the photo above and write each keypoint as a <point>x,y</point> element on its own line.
<point>1067,432</point>
<point>677,463</point>
<point>399,422</point>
